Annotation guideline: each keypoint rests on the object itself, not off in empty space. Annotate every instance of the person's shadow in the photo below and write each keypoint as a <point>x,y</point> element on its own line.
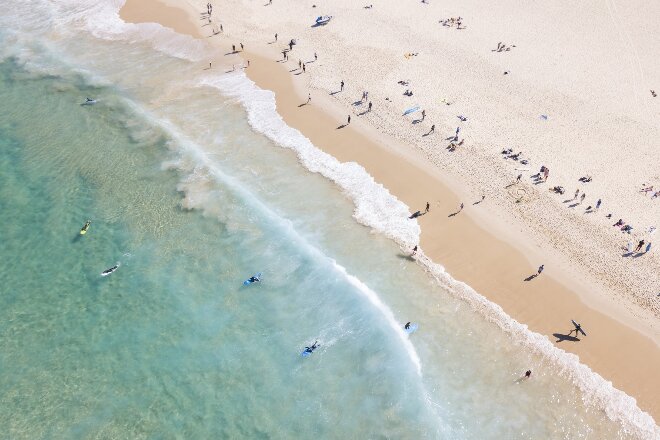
<point>453,214</point>
<point>561,338</point>
<point>405,257</point>
<point>341,126</point>
<point>531,277</point>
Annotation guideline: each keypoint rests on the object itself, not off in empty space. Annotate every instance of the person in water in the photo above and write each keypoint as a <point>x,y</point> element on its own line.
<point>254,279</point>
<point>314,346</point>
<point>528,374</point>
<point>407,326</point>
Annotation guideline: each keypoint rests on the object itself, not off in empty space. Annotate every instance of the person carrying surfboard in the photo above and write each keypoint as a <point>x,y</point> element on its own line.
<point>577,329</point>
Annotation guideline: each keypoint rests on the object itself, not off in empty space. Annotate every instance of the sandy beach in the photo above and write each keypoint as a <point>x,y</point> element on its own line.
<point>578,115</point>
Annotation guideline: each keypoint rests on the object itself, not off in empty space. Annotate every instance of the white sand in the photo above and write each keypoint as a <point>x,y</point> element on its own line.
<point>589,67</point>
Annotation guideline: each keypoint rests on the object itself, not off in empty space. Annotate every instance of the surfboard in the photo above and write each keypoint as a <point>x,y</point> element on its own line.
<point>581,331</point>
<point>111,270</point>
<point>84,229</point>
<point>248,282</point>
<point>305,353</point>
<point>412,329</point>
<point>411,110</point>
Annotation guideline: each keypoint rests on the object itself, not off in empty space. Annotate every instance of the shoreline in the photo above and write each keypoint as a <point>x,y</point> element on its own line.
<point>461,243</point>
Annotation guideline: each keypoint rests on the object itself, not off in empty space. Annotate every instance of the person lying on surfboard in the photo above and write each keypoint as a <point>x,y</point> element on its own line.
<point>314,346</point>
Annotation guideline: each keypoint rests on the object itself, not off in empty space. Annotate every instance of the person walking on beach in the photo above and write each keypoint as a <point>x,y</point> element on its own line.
<point>275,37</point>
<point>233,48</point>
<point>577,193</point>
<point>309,98</point>
<point>299,64</point>
<point>423,114</point>
<point>349,120</point>
<point>341,86</point>
<point>241,47</point>
<point>540,269</point>
<point>639,246</point>
<point>428,207</point>
<point>461,208</point>
<point>432,129</point>
<point>369,110</point>
<point>209,65</point>
<point>303,67</point>
<point>519,178</point>
<point>598,203</point>
<point>316,57</point>
<point>582,197</point>
<point>648,248</point>
<point>577,329</point>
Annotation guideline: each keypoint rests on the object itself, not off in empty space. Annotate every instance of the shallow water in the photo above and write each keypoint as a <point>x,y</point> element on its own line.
<point>186,194</point>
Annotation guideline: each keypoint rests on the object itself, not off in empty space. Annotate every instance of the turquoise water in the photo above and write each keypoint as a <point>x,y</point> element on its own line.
<point>190,200</point>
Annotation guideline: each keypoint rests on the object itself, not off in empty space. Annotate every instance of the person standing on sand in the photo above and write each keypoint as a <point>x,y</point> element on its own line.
<point>432,129</point>
<point>309,98</point>
<point>341,86</point>
<point>316,57</point>
<point>209,65</point>
<point>369,106</point>
<point>540,270</point>
<point>275,37</point>
<point>303,67</point>
<point>461,208</point>
<point>349,120</point>
<point>577,193</point>
<point>423,114</point>
<point>241,47</point>
<point>233,48</point>
<point>582,197</point>
<point>598,204</point>
<point>519,178</point>
<point>639,246</point>
<point>414,251</point>
<point>428,207</point>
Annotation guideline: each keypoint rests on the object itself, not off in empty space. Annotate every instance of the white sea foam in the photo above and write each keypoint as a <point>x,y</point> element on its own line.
<point>375,206</point>
<point>396,326</point>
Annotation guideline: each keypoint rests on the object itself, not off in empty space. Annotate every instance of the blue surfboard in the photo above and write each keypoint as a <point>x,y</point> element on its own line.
<point>411,110</point>
<point>305,353</point>
<point>413,327</point>
<point>248,282</point>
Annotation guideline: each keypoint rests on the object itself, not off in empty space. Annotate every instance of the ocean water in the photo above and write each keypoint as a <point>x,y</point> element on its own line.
<point>193,184</point>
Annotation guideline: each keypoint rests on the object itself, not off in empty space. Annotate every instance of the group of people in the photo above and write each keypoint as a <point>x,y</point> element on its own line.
<point>453,22</point>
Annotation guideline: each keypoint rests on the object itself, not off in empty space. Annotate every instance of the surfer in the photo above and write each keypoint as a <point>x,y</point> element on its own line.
<point>107,272</point>
<point>577,329</point>
<point>314,346</point>
<point>84,229</point>
<point>254,279</point>
<point>407,326</point>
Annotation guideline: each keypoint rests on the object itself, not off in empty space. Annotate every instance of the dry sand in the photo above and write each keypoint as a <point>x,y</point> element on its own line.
<point>492,246</point>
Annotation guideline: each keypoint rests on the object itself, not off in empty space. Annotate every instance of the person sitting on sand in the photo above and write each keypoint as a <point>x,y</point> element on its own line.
<point>647,189</point>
